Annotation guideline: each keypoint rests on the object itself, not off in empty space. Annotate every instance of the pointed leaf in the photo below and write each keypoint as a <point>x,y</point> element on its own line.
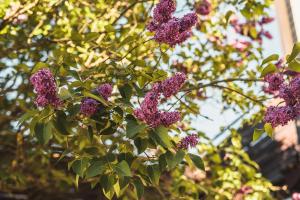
<point>270,68</point>
<point>43,132</point>
<point>133,128</point>
<point>257,134</point>
<point>123,169</point>
<point>294,66</point>
<point>139,187</point>
<point>270,58</point>
<point>295,52</point>
<point>197,161</point>
<point>96,168</point>
<point>269,129</point>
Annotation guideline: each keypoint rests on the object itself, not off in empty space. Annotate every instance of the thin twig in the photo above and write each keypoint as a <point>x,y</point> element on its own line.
<point>238,92</point>
<point>222,81</point>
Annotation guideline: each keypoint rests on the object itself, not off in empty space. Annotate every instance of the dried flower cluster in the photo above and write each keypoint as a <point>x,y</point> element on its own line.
<point>289,92</point>
<point>45,86</point>
<point>149,112</point>
<point>168,29</point>
<point>188,141</point>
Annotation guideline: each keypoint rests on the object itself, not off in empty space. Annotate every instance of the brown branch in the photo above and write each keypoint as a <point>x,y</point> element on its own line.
<point>222,81</point>
<point>126,9</point>
<point>238,92</point>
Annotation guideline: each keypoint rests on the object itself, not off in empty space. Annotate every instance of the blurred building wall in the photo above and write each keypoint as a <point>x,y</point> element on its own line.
<point>286,15</point>
<point>287,12</point>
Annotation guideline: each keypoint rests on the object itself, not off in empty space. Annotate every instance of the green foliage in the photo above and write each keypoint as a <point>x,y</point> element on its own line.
<point>269,130</point>
<point>257,134</point>
<point>89,42</point>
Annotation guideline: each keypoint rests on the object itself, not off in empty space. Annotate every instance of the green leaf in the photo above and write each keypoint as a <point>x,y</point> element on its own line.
<point>174,160</point>
<point>154,174</point>
<point>141,144</point>
<point>133,128</point>
<point>162,162</point>
<point>270,58</point>
<point>253,32</point>
<point>197,161</point>
<point>90,133</point>
<point>79,166</point>
<point>179,157</point>
<point>91,36</point>
<point>270,68</point>
<point>110,128</point>
<point>127,40</point>
<point>236,142</point>
<point>73,110</point>
<point>38,66</point>
<point>76,181</point>
<point>43,132</point>
<point>123,169</point>
<point>117,189</point>
<point>107,183</point>
<point>162,137</point>
<point>269,129</point>
<point>257,134</point>
<point>227,16</point>
<point>109,28</point>
<point>169,158</point>
<point>61,124</point>
<point>294,66</point>
<point>96,168</point>
<point>128,157</point>
<point>139,187</point>
<point>23,118</point>
<point>64,94</point>
<point>98,98</point>
<point>295,52</point>
<point>126,92</point>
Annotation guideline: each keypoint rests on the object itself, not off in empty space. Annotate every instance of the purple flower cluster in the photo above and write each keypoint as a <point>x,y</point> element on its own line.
<point>274,81</point>
<point>44,84</point>
<point>172,85</point>
<point>267,20</point>
<point>169,118</point>
<point>105,90</point>
<point>296,196</point>
<point>295,87</point>
<point>279,63</point>
<point>169,29</point>
<point>244,190</point>
<point>280,115</point>
<point>286,94</point>
<point>203,8</point>
<point>240,27</point>
<point>163,11</point>
<point>188,141</point>
<point>149,112</point>
<point>290,93</point>
<point>88,106</point>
